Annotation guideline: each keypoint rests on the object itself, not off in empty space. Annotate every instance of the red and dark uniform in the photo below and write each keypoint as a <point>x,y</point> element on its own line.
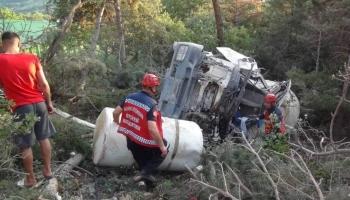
<point>273,121</point>
<point>138,109</point>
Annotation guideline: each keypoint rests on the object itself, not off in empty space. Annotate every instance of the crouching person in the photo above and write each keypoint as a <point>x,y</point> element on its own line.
<point>272,117</point>
<point>274,126</point>
<point>141,123</point>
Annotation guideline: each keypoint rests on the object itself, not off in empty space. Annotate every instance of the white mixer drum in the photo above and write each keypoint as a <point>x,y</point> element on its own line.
<point>291,109</point>
<point>185,139</point>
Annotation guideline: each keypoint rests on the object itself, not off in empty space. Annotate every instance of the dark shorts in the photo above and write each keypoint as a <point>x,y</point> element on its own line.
<point>42,129</point>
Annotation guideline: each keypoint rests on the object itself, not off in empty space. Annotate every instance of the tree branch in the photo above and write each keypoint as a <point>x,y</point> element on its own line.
<point>245,188</point>
<point>274,186</point>
<point>226,194</point>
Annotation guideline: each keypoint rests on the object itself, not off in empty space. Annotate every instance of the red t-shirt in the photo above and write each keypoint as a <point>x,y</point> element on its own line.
<point>18,78</point>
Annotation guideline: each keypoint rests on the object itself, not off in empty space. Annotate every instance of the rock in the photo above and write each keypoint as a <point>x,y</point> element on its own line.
<point>51,190</point>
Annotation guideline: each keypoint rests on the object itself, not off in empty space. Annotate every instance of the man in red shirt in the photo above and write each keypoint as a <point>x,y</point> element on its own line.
<point>24,83</point>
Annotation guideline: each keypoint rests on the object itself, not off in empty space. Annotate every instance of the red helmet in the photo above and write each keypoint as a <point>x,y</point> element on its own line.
<point>150,80</point>
<point>270,98</point>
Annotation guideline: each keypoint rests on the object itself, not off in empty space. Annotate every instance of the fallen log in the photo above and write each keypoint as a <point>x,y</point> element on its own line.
<point>74,119</point>
<point>64,169</point>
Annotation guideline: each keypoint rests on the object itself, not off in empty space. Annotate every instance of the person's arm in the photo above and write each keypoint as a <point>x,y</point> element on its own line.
<point>116,114</point>
<point>118,111</point>
<point>45,89</point>
<point>152,127</point>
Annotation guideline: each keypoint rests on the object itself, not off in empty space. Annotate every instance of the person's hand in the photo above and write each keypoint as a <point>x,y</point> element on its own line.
<point>164,151</point>
<point>50,107</point>
<point>116,120</point>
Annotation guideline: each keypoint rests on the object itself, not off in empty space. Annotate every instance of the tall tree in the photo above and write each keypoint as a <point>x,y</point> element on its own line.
<point>54,47</point>
<point>219,23</point>
<point>96,34</point>
<point>120,32</point>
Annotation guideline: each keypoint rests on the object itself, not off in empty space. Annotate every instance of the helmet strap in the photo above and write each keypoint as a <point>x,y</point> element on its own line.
<point>153,90</point>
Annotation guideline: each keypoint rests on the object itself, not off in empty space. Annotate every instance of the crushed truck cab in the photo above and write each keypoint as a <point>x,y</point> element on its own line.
<point>212,88</point>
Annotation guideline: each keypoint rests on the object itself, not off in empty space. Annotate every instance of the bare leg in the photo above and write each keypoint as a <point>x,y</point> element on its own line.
<point>45,150</point>
<point>27,159</point>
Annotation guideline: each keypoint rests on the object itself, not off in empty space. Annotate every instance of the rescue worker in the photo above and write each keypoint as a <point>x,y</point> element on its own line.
<point>141,123</point>
<point>23,81</point>
<point>272,117</point>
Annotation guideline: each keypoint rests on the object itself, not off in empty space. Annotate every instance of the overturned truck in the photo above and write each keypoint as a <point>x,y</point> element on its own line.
<point>211,89</point>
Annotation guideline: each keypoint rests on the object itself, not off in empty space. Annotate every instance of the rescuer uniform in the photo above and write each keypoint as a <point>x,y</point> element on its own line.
<point>138,109</point>
<point>272,117</point>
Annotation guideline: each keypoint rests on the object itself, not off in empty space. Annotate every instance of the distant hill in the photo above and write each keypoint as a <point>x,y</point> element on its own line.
<point>24,5</point>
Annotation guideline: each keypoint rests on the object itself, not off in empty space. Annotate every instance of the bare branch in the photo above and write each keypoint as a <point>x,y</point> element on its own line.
<point>318,189</point>
<point>342,99</point>
<point>326,153</point>
<point>245,188</point>
<point>223,177</point>
<point>226,194</point>
<point>275,188</point>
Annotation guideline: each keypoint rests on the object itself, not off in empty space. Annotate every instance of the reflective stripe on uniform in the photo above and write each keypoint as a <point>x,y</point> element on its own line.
<point>136,137</point>
<point>138,104</point>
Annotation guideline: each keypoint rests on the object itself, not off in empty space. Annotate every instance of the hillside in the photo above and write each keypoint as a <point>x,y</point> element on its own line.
<point>24,5</point>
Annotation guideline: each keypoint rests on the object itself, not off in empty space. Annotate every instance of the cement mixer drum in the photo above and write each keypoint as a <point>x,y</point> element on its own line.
<point>185,139</point>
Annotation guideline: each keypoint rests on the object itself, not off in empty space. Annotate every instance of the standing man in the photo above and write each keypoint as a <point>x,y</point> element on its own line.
<point>23,81</point>
<point>272,116</point>
<point>141,123</point>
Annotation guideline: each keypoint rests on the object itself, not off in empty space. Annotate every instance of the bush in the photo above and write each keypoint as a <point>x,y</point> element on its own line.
<point>318,96</point>
<point>8,128</point>
<point>69,139</point>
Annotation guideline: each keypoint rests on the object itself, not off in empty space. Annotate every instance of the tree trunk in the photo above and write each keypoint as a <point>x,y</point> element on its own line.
<point>74,119</point>
<point>318,51</point>
<point>120,33</point>
<point>54,47</point>
<point>219,22</point>
<point>96,34</point>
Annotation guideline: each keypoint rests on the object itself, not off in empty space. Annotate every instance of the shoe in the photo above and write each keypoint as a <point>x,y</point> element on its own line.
<point>48,177</point>
<point>21,184</point>
<point>141,184</point>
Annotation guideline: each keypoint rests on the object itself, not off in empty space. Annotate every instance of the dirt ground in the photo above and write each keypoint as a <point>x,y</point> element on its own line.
<point>96,183</point>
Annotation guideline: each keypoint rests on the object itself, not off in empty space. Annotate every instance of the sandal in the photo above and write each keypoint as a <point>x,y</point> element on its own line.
<point>21,184</point>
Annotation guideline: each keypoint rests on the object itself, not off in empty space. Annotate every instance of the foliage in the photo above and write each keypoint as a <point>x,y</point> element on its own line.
<point>182,9</point>
<point>224,164</point>
<point>317,92</point>
<point>10,127</point>
<point>202,26</point>
<point>69,139</point>
<point>9,14</point>
<point>276,142</point>
<point>289,35</point>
